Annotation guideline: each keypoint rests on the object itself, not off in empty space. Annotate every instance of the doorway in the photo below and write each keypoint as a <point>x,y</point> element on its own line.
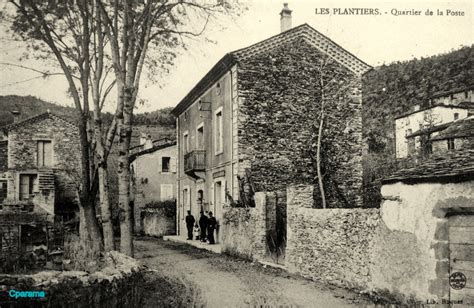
<point>461,258</point>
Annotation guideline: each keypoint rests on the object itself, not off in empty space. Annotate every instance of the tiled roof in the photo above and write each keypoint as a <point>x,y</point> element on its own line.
<point>429,130</point>
<point>445,93</point>
<point>458,129</point>
<point>34,119</point>
<point>157,147</point>
<point>305,31</point>
<point>456,166</point>
<point>459,106</point>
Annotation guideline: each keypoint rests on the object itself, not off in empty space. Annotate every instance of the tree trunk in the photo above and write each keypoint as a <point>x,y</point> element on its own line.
<point>107,228</point>
<point>318,159</point>
<point>126,230</point>
<point>86,201</point>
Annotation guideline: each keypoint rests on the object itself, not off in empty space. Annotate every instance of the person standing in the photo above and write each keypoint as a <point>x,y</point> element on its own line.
<point>211,226</point>
<point>203,225</point>
<point>190,224</point>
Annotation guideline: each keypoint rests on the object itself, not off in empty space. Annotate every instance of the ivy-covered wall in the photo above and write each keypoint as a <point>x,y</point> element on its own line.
<point>279,114</point>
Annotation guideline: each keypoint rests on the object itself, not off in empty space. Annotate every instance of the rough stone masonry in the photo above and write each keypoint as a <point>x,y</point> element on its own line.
<point>279,109</point>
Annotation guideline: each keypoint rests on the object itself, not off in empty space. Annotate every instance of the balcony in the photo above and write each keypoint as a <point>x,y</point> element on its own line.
<point>195,162</point>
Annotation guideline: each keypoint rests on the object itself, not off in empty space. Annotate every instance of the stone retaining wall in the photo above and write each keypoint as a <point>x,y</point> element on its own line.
<point>156,222</point>
<point>332,245</point>
<point>244,229</point>
<point>117,284</point>
<point>399,251</point>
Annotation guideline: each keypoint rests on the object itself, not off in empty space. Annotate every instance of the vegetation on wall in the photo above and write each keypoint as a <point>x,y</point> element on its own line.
<point>167,208</point>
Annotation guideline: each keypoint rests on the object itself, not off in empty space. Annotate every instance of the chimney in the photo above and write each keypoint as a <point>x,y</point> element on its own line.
<point>16,115</point>
<point>285,18</point>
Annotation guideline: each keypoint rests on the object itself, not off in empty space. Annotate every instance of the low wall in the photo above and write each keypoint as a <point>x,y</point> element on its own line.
<point>157,222</point>
<point>332,245</point>
<point>399,251</point>
<point>117,284</point>
<point>244,230</point>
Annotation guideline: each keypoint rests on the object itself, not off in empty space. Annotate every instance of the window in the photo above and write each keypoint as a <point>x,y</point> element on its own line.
<point>411,146</point>
<point>200,137</point>
<point>165,164</point>
<point>219,136</point>
<point>200,198</point>
<point>451,145</point>
<point>185,142</point>
<point>44,153</point>
<point>456,116</point>
<point>166,192</point>
<point>3,190</point>
<point>28,185</point>
<point>466,94</point>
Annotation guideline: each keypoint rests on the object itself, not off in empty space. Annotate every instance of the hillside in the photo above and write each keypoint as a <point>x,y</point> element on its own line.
<point>392,89</point>
<point>29,106</point>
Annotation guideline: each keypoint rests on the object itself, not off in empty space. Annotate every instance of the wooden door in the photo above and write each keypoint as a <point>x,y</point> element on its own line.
<point>461,247</point>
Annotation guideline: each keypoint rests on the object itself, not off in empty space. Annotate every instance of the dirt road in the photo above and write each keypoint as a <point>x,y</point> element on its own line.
<point>213,280</point>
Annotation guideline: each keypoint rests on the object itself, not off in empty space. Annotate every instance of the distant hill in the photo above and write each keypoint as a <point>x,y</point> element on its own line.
<point>29,106</point>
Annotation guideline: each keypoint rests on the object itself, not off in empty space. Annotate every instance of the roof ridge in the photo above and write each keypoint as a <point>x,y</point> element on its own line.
<point>312,36</point>
<point>37,116</point>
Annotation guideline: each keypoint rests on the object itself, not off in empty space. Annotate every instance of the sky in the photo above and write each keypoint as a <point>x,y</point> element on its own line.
<point>375,39</point>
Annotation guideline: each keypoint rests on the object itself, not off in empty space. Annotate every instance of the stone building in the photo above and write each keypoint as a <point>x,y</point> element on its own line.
<point>250,123</point>
<point>153,168</point>
<point>38,165</point>
<point>414,129</point>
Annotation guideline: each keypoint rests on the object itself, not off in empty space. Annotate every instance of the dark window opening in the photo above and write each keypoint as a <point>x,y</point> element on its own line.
<point>3,190</point>
<point>456,116</point>
<point>451,145</point>
<point>27,186</point>
<point>165,164</point>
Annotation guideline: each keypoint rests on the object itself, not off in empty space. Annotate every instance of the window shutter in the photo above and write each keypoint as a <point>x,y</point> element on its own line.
<point>40,151</point>
<point>48,153</point>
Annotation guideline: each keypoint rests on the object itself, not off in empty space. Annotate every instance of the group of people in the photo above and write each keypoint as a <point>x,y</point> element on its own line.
<point>205,230</point>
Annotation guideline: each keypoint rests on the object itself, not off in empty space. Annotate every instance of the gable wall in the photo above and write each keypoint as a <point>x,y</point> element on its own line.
<point>22,158</point>
<point>279,102</point>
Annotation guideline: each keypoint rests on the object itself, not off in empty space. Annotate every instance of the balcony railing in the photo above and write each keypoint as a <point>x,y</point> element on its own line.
<point>195,161</point>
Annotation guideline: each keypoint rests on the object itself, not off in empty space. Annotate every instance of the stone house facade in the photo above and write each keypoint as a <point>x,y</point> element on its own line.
<point>414,129</point>
<point>252,120</point>
<point>153,176</point>
<point>41,164</point>
<point>458,135</point>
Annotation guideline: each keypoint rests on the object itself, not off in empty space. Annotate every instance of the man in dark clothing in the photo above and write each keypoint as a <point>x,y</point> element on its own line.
<point>211,226</point>
<point>203,225</point>
<point>190,224</point>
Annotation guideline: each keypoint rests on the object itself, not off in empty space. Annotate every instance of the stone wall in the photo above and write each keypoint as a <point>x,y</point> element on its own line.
<point>3,155</point>
<point>118,284</point>
<point>411,255</point>
<point>279,107</point>
<point>156,222</point>
<point>22,158</point>
<point>244,230</point>
<point>330,245</point>
<point>400,250</point>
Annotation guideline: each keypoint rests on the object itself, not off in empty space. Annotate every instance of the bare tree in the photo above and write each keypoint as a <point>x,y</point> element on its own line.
<point>333,85</point>
<point>70,32</point>
<point>142,32</point>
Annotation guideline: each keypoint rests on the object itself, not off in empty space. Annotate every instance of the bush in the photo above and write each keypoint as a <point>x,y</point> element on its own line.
<point>168,208</point>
